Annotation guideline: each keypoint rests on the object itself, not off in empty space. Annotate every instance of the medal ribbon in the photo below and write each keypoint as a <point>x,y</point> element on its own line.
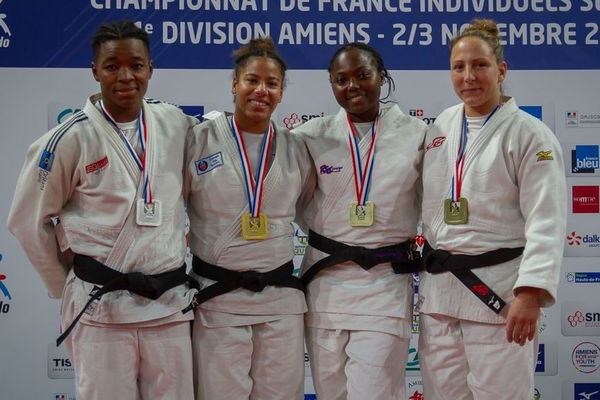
<point>140,161</point>
<point>254,184</point>
<point>457,179</point>
<point>362,177</point>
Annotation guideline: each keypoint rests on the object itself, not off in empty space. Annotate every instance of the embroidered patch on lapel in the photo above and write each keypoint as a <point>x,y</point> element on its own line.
<point>437,142</point>
<point>544,155</point>
<point>327,169</point>
<point>97,166</point>
<point>46,160</point>
<point>209,163</point>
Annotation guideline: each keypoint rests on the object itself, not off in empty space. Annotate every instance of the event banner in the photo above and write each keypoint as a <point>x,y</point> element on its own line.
<point>191,34</point>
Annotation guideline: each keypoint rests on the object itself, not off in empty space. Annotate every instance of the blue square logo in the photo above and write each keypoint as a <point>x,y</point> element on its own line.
<point>540,365</point>
<point>586,391</point>
<point>536,111</point>
<point>584,159</point>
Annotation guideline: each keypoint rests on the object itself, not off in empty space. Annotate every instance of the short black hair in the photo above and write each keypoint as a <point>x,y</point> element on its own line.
<point>116,31</point>
<point>391,85</point>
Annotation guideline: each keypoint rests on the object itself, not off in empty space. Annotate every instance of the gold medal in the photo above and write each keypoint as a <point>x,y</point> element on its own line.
<point>361,215</point>
<point>254,228</point>
<point>456,213</point>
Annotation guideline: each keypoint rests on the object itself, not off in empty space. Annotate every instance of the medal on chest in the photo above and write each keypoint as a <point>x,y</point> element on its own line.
<point>361,213</point>
<point>456,208</point>
<point>254,224</point>
<point>148,211</point>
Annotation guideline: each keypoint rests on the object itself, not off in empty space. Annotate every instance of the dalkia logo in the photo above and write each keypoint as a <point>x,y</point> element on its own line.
<point>4,305</point>
<point>5,32</point>
<point>592,240</point>
<point>294,119</point>
<point>585,199</point>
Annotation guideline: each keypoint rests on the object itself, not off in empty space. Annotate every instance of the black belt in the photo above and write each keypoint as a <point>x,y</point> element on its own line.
<point>404,257</point>
<point>150,286</point>
<point>438,261</point>
<point>228,281</point>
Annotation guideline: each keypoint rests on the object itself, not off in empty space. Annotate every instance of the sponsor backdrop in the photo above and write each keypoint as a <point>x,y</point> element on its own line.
<point>553,52</point>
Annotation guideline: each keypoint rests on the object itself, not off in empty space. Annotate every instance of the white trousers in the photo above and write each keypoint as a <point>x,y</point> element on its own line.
<point>466,360</point>
<point>357,365</point>
<point>132,363</point>
<point>263,361</point>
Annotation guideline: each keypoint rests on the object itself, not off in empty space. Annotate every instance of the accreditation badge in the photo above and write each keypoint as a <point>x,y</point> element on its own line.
<point>254,228</point>
<point>361,215</point>
<point>148,214</point>
<point>456,212</point>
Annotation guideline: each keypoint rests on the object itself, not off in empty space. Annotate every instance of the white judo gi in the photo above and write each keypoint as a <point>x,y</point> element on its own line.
<point>81,172</point>
<point>247,345</point>
<point>359,322</point>
<point>514,182</point>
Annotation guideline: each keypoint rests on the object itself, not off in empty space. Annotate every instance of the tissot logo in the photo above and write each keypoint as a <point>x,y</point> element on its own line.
<point>585,199</point>
<point>420,113</point>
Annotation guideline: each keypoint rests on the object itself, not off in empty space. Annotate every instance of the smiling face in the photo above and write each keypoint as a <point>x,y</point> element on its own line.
<point>258,89</point>
<point>123,69</point>
<point>476,75</point>
<point>356,84</point>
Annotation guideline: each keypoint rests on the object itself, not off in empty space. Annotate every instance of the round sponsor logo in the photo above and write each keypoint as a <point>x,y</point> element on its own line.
<point>586,357</point>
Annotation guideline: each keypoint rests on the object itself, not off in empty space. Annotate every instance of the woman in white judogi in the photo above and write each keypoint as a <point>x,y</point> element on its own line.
<point>245,178</point>
<point>363,214</point>
<point>494,197</point>
<point>87,187</point>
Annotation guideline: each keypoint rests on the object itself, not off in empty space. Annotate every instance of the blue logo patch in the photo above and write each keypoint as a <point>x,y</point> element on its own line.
<point>536,111</point>
<point>46,160</point>
<point>540,365</point>
<point>193,111</point>
<point>209,163</point>
<point>587,391</point>
<point>3,288</point>
<point>584,159</point>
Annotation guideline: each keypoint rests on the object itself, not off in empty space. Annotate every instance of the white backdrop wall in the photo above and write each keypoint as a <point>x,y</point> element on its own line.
<point>46,77</point>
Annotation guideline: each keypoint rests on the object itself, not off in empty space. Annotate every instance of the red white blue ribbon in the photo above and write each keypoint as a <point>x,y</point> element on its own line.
<point>143,137</point>
<point>457,178</point>
<point>254,183</point>
<point>362,173</point>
